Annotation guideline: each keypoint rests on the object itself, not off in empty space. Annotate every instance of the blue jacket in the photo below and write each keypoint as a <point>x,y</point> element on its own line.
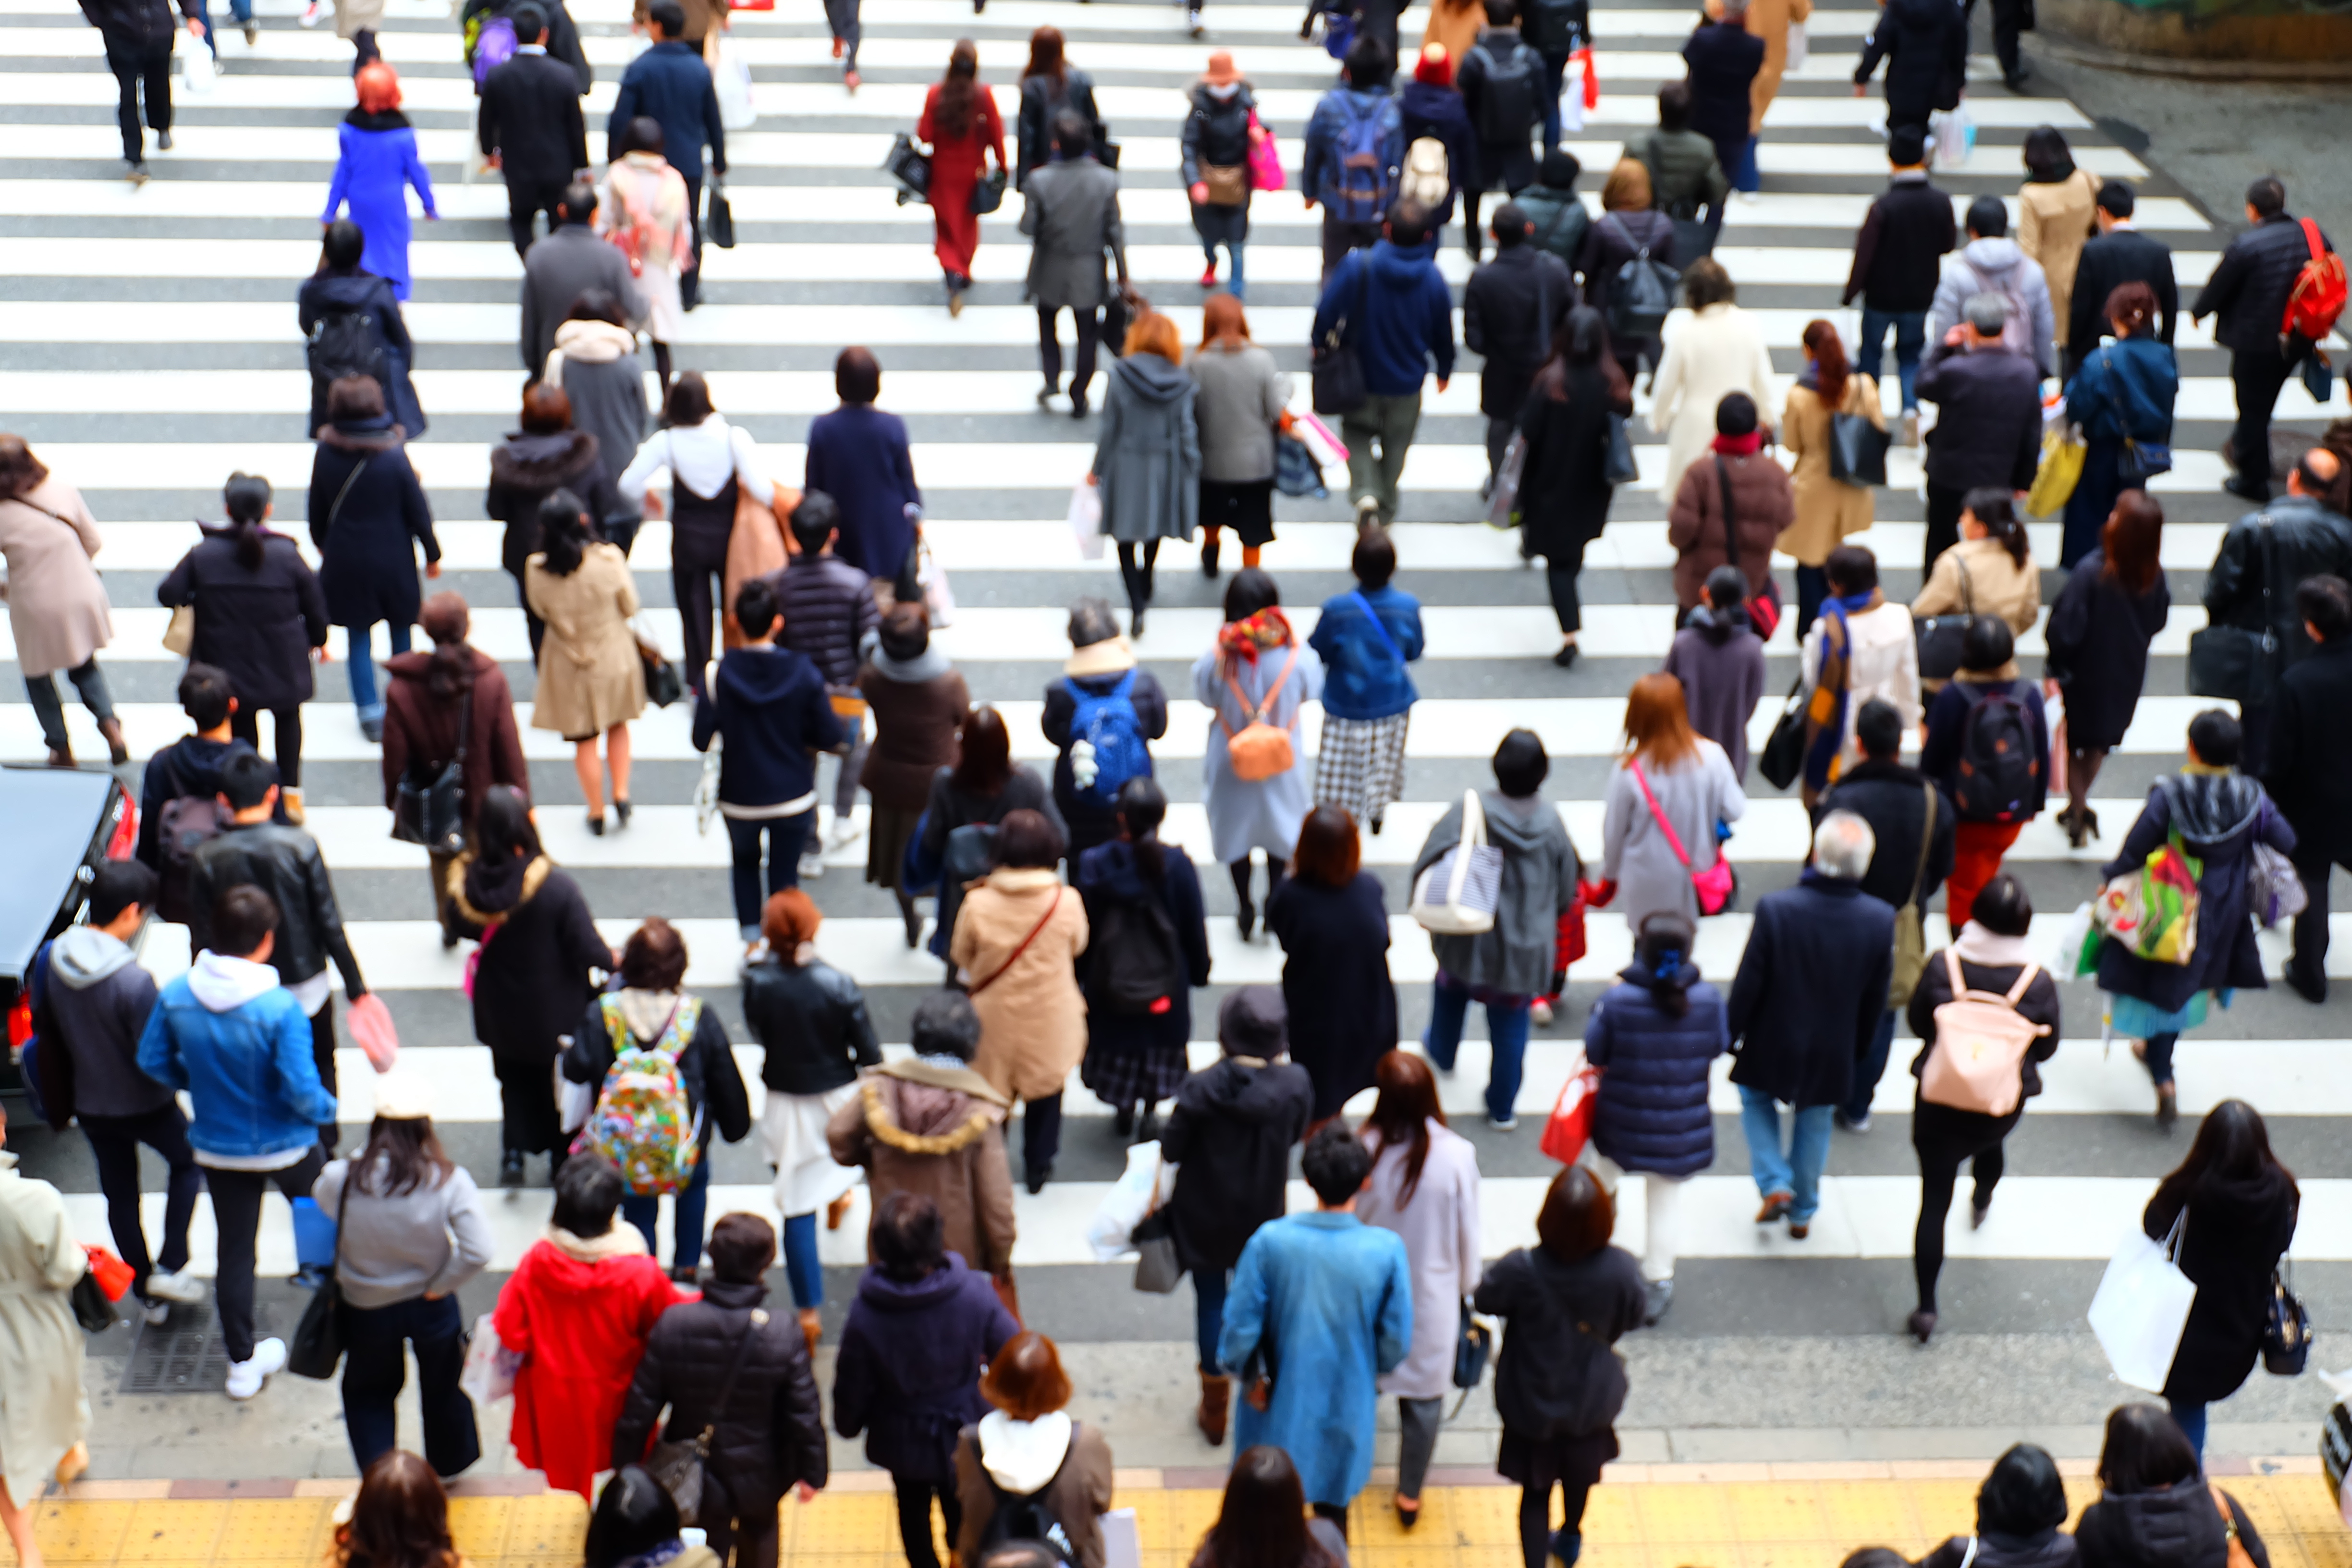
<point>669,83</point>
<point>1319,175</point>
<point>2126,389</point>
<point>1362,677</point>
<point>1652,1114</point>
<point>247,1069</point>
<point>1399,314</point>
<point>770,705</point>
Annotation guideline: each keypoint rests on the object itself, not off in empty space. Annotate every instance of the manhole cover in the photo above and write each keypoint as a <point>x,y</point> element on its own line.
<point>185,1354</point>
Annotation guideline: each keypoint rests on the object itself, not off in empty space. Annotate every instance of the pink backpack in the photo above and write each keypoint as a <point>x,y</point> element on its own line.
<point>1978,1062</point>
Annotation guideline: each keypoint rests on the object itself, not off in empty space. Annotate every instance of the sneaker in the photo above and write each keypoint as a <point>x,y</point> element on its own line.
<point>137,175</point>
<point>1209,276</point>
<point>153,1313</point>
<point>1911,427</point>
<point>1192,21</point>
<point>850,81</point>
<point>181,1286</point>
<point>373,729</point>
<point>252,35</point>
<point>1851,1123</point>
<point>1749,198</point>
<point>246,1377</point>
<point>1800,1229</point>
<point>310,14</point>
<point>812,864</point>
<point>2310,987</point>
<point>1502,1124</point>
<point>1540,1013</point>
<point>163,140</point>
<point>843,832</point>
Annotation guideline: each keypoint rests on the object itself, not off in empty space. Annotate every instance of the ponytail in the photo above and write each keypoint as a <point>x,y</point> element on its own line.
<point>246,497</point>
<point>1996,510</point>
<point>1142,807</point>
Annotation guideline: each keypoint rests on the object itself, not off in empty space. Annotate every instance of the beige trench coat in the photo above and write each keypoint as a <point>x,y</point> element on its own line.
<point>2054,223</point>
<point>56,605</point>
<point>1827,508</point>
<point>43,1411</point>
<point>350,16</point>
<point>590,677</point>
<point>1768,20</point>
<point>1032,1017</point>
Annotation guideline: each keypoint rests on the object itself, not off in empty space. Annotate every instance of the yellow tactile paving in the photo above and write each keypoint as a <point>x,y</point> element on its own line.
<point>1658,1516</point>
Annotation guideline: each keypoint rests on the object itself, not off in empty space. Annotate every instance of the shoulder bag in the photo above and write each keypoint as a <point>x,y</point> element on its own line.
<point>1763,607</point>
<point>1261,750</point>
<point>433,812</point>
<point>1336,371</point>
<point>2236,662</point>
<point>681,1466</point>
<point>1387,641</point>
<point>1157,1269</point>
<point>1910,937</point>
<point>1461,891</point>
<point>2140,461</point>
<point>1978,1061</point>
<point>1858,449</point>
<point>1034,932</point>
<point>1714,885</point>
<point>2286,1327</point>
<point>317,1347</point>
<point>1783,756</point>
<point>1941,638</point>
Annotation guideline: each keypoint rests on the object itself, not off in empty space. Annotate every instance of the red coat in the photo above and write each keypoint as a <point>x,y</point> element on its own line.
<point>581,1329</point>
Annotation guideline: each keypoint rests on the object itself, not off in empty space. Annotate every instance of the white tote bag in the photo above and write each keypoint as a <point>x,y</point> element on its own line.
<point>197,66</point>
<point>731,79</point>
<point>1086,519</point>
<point>1459,894</point>
<point>489,1371</point>
<point>2142,1307</point>
<point>1146,1184</point>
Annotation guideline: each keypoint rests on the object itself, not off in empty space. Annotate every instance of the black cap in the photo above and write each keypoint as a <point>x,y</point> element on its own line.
<point>1252,1022</point>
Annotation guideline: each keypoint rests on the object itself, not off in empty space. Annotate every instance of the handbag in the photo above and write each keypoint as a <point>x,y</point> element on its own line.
<point>1568,1128</point>
<point>1462,890</point>
<point>1941,638</point>
<point>2286,1329</point>
<point>718,222</point>
<point>1858,450</point>
<point>909,168</point>
<point>1157,1269</point>
<point>1503,507</point>
<point>91,1310</point>
<point>1228,187</point>
<point>1764,606</point>
<point>317,1347</point>
<point>2143,460</point>
<point>2276,888</point>
<point>1266,160</point>
<point>1119,306</point>
<point>1261,751</point>
<point>1713,885</point>
<point>1334,368</point>
<point>2060,471</point>
<point>988,192</point>
<point>1783,756</point>
<point>2142,1306</point>
<point>1619,468</point>
<point>1910,933</point>
<point>1295,471</point>
<point>180,637</point>
<point>2238,663</point>
<point>664,684</point>
<point>1474,1345</point>
<point>433,812</point>
<point>678,1466</point>
<point>2152,912</point>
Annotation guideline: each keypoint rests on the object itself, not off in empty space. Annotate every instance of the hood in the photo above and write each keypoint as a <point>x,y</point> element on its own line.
<point>1427,100</point>
<point>2243,1203</point>
<point>883,1294</point>
<point>762,676</point>
<point>928,665</point>
<point>85,956</point>
<point>486,892</point>
<point>541,462</point>
<point>373,434</point>
<point>224,985</point>
<point>1519,826</point>
<point>918,1109</point>
<point>2167,1524</point>
<point>623,1240</point>
<point>1992,257</point>
<point>1022,1455</point>
<point>1151,378</point>
<point>418,666</point>
<point>1118,876</point>
<point>1718,627</point>
<point>346,290</point>
<point>1401,266</point>
<point>733,1295</point>
<point>195,764</point>
<point>593,342</point>
<point>2209,808</point>
<point>1252,1096</point>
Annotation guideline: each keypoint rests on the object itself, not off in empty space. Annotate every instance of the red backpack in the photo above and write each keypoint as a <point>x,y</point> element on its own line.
<point>2316,299</point>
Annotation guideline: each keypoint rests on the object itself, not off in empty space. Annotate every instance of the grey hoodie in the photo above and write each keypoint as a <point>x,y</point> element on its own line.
<point>1999,266</point>
<point>1148,460</point>
<point>1539,875</point>
<point>100,999</point>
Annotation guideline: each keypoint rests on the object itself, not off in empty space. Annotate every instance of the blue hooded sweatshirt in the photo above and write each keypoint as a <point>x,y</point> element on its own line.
<point>1399,314</point>
<point>770,705</point>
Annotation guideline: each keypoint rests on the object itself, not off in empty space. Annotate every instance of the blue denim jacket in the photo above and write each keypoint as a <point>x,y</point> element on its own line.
<point>2125,388</point>
<point>248,1070</point>
<point>1362,679</point>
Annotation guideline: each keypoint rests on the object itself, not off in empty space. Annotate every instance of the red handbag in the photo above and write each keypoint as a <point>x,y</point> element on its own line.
<point>1569,1127</point>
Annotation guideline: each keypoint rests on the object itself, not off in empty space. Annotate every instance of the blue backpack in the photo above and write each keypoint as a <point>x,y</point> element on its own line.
<point>1113,735</point>
<point>1364,189</point>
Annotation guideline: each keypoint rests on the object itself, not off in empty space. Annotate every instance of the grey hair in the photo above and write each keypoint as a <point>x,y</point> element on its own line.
<point>1988,313</point>
<point>1842,846</point>
<point>1090,623</point>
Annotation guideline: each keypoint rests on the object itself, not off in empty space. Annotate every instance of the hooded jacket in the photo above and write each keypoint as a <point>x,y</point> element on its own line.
<point>539,951</point>
<point>1926,45</point>
<point>1321,174</point>
<point>1517,956</point>
<point>235,1039</point>
<point>812,1024</point>
<point>770,705</point>
<point>728,1365</point>
<point>1427,109</point>
<point>1399,311</point>
<point>1109,875</point>
<point>2178,1526</point>
<point>420,729</point>
<point>1720,659</point>
<point>1230,1137</point>
<point>285,863</point>
<point>908,1371</point>
<point>190,765</point>
<point>526,469</point>
<point>1653,1113</point>
<point>363,293</point>
<point>597,365</point>
<point>1066,1461</point>
<point>1898,256</point>
<point>2219,817</point>
<point>100,999</point>
<point>1997,265</point>
<point>921,1126</point>
<point>1147,457</point>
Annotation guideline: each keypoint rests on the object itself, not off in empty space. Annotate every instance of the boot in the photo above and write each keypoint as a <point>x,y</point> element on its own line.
<point>118,749</point>
<point>1216,1399</point>
<point>836,1211</point>
<point>292,800</point>
<point>812,1329</point>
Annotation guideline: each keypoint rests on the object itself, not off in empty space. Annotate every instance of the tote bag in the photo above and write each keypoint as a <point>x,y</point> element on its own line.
<point>2142,1307</point>
<point>1458,895</point>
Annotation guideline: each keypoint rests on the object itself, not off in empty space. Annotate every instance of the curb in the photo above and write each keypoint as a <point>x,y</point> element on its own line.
<point>2318,72</point>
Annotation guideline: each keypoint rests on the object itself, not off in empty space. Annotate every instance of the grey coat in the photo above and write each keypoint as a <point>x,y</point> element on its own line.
<point>1255,814</point>
<point>1539,875</point>
<point>1635,853</point>
<point>559,269</point>
<point>1148,460</point>
<point>1071,211</point>
<point>1241,395</point>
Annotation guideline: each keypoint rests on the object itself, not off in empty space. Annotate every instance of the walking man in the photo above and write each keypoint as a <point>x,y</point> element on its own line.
<point>1897,261</point>
<point>2248,291</point>
<point>1988,422</point>
<point>1510,309</point>
<point>829,608</point>
<point>566,264</point>
<point>2300,538</point>
<point>2309,771</point>
<point>1070,211</point>
<point>1502,84</point>
<point>531,127</point>
<point>138,35</point>
<point>1723,59</point>
<point>2117,255</point>
<point>669,83</point>
<point>1400,317</point>
<point>1355,153</point>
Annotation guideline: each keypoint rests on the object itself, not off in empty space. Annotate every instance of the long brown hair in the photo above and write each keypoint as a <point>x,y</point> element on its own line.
<point>21,473</point>
<point>411,1155</point>
<point>1829,363</point>
<point>399,1520</point>
<point>2132,540</point>
<point>1657,722</point>
<point>960,90</point>
<point>1045,56</point>
<point>1407,1105</point>
<point>1220,317</point>
<point>983,753</point>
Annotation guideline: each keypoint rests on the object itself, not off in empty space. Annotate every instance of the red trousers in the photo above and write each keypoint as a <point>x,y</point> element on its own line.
<point>1976,850</point>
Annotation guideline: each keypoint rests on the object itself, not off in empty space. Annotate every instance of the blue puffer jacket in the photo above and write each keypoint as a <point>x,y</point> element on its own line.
<point>1653,1114</point>
<point>1364,674</point>
<point>239,1044</point>
<point>2125,388</point>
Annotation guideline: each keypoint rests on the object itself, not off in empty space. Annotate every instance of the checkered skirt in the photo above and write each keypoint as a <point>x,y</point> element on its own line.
<point>1360,764</point>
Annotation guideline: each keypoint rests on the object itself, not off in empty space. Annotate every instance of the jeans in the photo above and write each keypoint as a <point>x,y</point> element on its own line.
<point>1798,1171</point>
<point>1389,420</point>
<point>1506,1028</point>
<point>2159,1057</point>
<point>1910,342</point>
<point>1555,79</point>
<point>2256,377</point>
<point>1873,1065</point>
<point>1209,1315</point>
<point>114,1144</point>
<point>359,663</point>
<point>846,771</point>
<point>915,1518</point>
<point>643,1210</point>
<point>801,1266</point>
<point>1813,589</point>
<point>89,679</point>
<point>241,10</point>
<point>375,1370</point>
<point>286,727</point>
<point>149,67</point>
<point>2191,1419</point>
<point>1417,1422</point>
<point>237,1219</point>
<point>1744,176</point>
<point>1944,1138</point>
<point>1041,1134</point>
<point>786,837</point>
<point>1088,324</point>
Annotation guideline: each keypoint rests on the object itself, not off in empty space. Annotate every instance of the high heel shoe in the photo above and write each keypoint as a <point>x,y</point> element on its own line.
<point>1922,1324</point>
<point>1246,916</point>
<point>2078,828</point>
<point>621,808</point>
<point>597,823</point>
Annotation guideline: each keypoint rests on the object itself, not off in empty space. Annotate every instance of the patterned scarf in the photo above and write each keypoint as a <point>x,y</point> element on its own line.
<point>1239,641</point>
<point>1825,723</point>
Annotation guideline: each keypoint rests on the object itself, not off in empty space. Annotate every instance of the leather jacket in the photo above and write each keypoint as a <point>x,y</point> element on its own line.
<point>812,1019</point>
<point>285,863</point>
<point>2306,541</point>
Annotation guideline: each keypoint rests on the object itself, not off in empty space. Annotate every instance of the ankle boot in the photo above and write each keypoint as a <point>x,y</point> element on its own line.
<point>1216,1399</point>
<point>117,748</point>
<point>812,1329</point>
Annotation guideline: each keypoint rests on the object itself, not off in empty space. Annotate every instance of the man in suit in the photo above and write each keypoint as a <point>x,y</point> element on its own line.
<point>561,267</point>
<point>1070,211</point>
<point>2119,254</point>
<point>669,83</point>
<point>532,129</point>
<point>2249,291</point>
<point>2309,770</point>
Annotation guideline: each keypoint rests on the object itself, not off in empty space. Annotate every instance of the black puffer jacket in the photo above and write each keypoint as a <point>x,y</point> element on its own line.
<point>759,1394</point>
<point>812,1020</point>
<point>1926,45</point>
<point>256,623</point>
<point>828,607</point>
<point>2251,283</point>
<point>527,470</point>
<point>2178,1526</point>
<point>285,863</point>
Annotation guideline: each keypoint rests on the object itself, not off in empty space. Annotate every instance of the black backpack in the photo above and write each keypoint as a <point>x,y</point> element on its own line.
<point>1999,764</point>
<point>1138,965</point>
<point>1555,27</point>
<point>184,826</point>
<point>347,342</point>
<point>1641,291</point>
<point>1027,1516</point>
<point>1512,100</point>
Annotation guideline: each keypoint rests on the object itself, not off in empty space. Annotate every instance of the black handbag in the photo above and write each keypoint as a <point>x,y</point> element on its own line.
<point>1941,638</point>
<point>1119,308</point>
<point>2286,1330</point>
<point>1158,1269</point>
<point>1474,1342</point>
<point>988,192</point>
<point>1783,756</point>
<point>1107,150</point>
<point>317,1347</point>
<point>91,1310</point>
<point>909,168</point>
<point>2238,663</point>
<point>433,812</point>
<point>1337,373</point>
<point>719,223</point>
<point>1858,450</point>
<point>664,685</point>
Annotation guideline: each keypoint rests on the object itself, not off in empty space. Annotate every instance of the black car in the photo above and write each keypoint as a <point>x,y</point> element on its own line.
<point>59,823</point>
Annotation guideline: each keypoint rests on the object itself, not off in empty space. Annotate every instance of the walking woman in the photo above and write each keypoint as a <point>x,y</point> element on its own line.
<point>1134,1044</point>
<point>2054,208</point>
<point>1101,688</point>
<point>2123,398</point>
<point>375,165</point>
<point>1565,489</point>
<point>546,455</point>
<point>1424,1187</point>
<point>592,678</point>
<point>1990,957</point>
<point>642,207</point>
<point>1263,1521</point>
<point>1827,508</point>
<point>450,704</point>
<point>1628,226</point>
<point>534,974</point>
<point>961,124</point>
<point>399,1519</point>
<point>1670,787</point>
<point>1256,673</point>
<point>1027,1445</point>
<point>1654,1036</point>
<point>410,1231</point>
<point>1982,836</point>
<point>1731,507</point>
<point>594,363</point>
<point>345,285</point>
<point>368,516</point>
<point>2153,1488</point>
<point>1368,641</point>
<point>1242,402</point>
<point>47,1418</point>
<point>1861,646</point>
<point>2021,1519</point>
<point>1718,351</point>
<point>982,786</point>
<point>1049,84</point>
<point>1147,466</point>
<point>1990,572</point>
<point>1560,1383</point>
<point>2115,602</point>
<point>2220,814</point>
<point>58,611</point>
<point>260,617</point>
<point>814,1033</point>
<point>1331,917</point>
<point>918,698</point>
<point>1214,164</point>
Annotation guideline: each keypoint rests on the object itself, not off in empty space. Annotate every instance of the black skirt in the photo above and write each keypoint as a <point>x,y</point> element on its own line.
<point>1246,508</point>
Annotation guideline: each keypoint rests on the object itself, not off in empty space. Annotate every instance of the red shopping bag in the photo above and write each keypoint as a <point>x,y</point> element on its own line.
<point>1571,1125</point>
<point>113,1275</point>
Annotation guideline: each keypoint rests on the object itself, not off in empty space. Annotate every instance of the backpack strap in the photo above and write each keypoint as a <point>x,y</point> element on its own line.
<point>1034,932</point>
<point>1927,841</point>
<point>2025,979</point>
<point>1730,515</point>
<point>2318,252</point>
<point>1257,714</point>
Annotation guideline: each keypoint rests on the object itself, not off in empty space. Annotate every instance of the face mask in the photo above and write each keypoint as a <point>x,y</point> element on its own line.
<point>1223,91</point>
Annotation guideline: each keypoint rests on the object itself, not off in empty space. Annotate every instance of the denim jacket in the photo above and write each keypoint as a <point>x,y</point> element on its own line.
<point>2125,388</point>
<point>1362,677</point>
<point>247,1068</point>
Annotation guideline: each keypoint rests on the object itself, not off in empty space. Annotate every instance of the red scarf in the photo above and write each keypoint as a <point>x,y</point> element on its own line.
<point>1740,446</point>
<point>1239,641</point>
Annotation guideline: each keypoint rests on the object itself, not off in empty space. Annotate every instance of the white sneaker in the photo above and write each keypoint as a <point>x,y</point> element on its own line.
<point>182,1286</point>
<point>310,15</point>
<point>246,1377</point>
<point>153,1313</point>
<point>843,832</point>
<point>812,864</point>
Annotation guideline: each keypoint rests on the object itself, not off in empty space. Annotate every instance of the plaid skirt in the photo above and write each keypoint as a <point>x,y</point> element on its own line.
<point>1120,1077</point>
<point>1360,766</point>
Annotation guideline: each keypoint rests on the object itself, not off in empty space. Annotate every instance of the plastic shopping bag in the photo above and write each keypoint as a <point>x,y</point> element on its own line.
<point>1324,447</point>
<point>490,1367</point>
<point>1571,1125</point>
<point>1086,519</point>
<point>1111,1232</point>
<point>2061,471</point>
<point>2142,1306</point>
<point>370,1022</point>
<point>198,66</point>
<point>730,78</point>
<point>1953,134</point>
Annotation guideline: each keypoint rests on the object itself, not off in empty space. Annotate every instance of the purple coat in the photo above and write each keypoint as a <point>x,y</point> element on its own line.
<point>907,1373</point>
<point>858,456</point>
<point>378,157</point>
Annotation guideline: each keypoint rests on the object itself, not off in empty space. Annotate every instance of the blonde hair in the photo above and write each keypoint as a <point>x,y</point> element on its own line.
<point>1153,333</point>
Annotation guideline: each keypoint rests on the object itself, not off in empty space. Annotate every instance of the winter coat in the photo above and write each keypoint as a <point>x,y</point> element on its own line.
<point>1323,1303</point>
<point>1230,1137</point>
<point>1763,505</point>
<point>352,17</point>
<point>392,1247</point>
<point>2051,1548</point>
<point>1335,981</point>
<point>729,1366</point>
<point>1109,874</point>
<point>238,1042</point>
<point>1321,175</point>
<point>2110,260</point>
<point>1367,667</point>
<point>1771,21</point>
<point>2054,220</point>
<point>255,625</point>
<point>557,270</point>
<point>375,165</point>
<point>2310,753</point>
<point>1694,794</point>
<point>670,83</point>
<point>1425,108</point>
<point>858,456</point>
<point>1653,1114</point>
<point>1438,1223</point>
<point>1457,28</point>
<point>1989,417</point>
<point>2126,389</point>
<point>1720,662</point>
<point>2040,1004</point>
<point>2237,1229</point>
<point>1884,661</point>
<point>190,766</point>
<point>1146,464</point>
<point>906,1374</point>
<point>1558,1375</point>
<point>643,201</point>
<point>285,863</point>
<point>1564,489</point>
<point>2099,637</point>
<point>578,1311</point>
<point>1021,1457</point>
<point>1614,240</point>
<point>1827,509</point>
<point>1940,754</point>
<point>949,806</point>
<point>1996,264</point>
<point>768,706</point>
<point>598,367</point>
<point>1541,870</point>
<point>1926,45</point>
<point>420,730</point>
<point>1893,799</point>
<point>526,469</point>
<point>1510,308</point>
<point>363,292</point>
<point>1507,161</point>
<point>1071,212</point>
<point>707,1068</point>
<point>1032,1017</point>
<point>2178,1526</point>
<point>2250,285</point>
<point>914,732</point>
<point>1042,99</point>
<point>939,1132</point>
<point>1560,220</point>
<point>591,677</point>
<point>367,560</point>
<point>1242,396</point>
<point>829,608</point>
<point>2220,819</point>
<point>2305,539</point>
<point>134,26</point>
<point>1255,814</point>
<point>540,954</point>
<point>1979,577</point>
<point>1684,173</point>
<point>1724,61</point>
<point>1400,315</point>
<point>1217,135</point>
<point>1810,991</point>
<point>1710,353</point>
<point>1898,256</point>
<point>811,1024</point>
<point>99,997</point>
<point>41,1346</point>
<point>57,613</point>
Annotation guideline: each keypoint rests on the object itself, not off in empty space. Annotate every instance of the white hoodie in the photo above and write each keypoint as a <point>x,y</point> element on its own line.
<point>223,984</point>
<point>1022,1456</point>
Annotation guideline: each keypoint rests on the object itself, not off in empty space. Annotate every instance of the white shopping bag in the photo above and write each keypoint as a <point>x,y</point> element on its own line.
<point>1571,99</point>
<point>198,66</point>
<point>730,78</point>
<point>1111,1232</point>
<point>490,1367</point>
<point>1953,134</point>
<point>1086,519</point>
<point>1797,47</point>
<point>1122,1540</point>
<point>2142,1307</point>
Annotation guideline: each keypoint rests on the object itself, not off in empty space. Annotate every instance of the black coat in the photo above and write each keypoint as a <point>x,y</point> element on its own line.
<point>1564,491</point>
<point>1109,874</point>
<point>2238,1228</point>
<point>2309,771</point>
<point>329,293</point>
<point>1898,256</point>
<point>908,1372</point>
<point>1810,991</point>
<point>2040,1005</point>
<point>829,608</point>
<point>367,565</point>
<point>1926,45</point>
<point>1230,1139</point>
<point>1892,798</point>
<point>531,118</point>
<point>285,863</point>
<point>1988,421</point>
<point>2223,840</point>
<point>2306,541</point>
<point>811,1021</point>
<point>714,1084</point>
<point>1033,124</point>
<point>1088,824</point>
<point>256,623</point>
<point>527,470</point>
<point>1723,59</point>
<point>1558,1375</point>
<point>1606,248</point>
<point>1510,308</point>
<point>757,1394</point>
<point>1335,981</point>
<point>2099,637</point>
<point>2177,1526</point>
<point>533,979</point>
<point>2051,1548</point>
<point>2250,284</point>
<point>2110,260</point>
<point>140,25</point>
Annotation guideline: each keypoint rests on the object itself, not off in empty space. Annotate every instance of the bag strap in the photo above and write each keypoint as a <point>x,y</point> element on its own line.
<point>1968,587</point>
<point>1473,836</point>
<point>1730,515</point>
<point>2024,979</point>
<point>1970,1556</point>
<point>348,479</point>
<point>753,1321</point>
<point>1673,839</point>
<point>2318,253</point>
<point>1034,932</point>
<point>465,725</point>
<point>1927,841</point>
<point>1366,605</point>
<point>1256,714</point>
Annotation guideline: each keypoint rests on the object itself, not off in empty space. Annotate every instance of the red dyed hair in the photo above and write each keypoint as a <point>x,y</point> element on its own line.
<point>379,88</point>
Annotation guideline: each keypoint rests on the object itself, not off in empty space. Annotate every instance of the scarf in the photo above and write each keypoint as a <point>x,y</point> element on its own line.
<point>623,1240</point>
<point>1809,377</point>
<point>1239,641</point>
<point>1990,950</point>
<point>1746,446</point>
<point>377,119</point>
<point>1825,721</point>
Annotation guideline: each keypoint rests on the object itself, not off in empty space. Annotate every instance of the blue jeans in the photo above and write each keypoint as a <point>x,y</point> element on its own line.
<point>2191,1419</point>
<point>1910,341</point>
<point>1873,1065</point>
<point>2159,1057</point>
<point>241,10</point>
<point>374,1368</point>
<point>801,1266</point>
<point>1745,177</point>
<point>360,664</point>
<point>1507,1027</point>
<point>1209,1315</point>
<point>1555,76</point>
<point>693,1203</point>
<point>1798,1171</point>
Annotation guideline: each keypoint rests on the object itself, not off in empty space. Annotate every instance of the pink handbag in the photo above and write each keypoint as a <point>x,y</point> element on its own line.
<point>370,1022</point>
<point>1264,159</point>
<point>1713,885</point>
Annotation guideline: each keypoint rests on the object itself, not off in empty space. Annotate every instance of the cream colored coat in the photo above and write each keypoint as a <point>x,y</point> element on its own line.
<point>2054,222</point>
<point>1827,508</point>
<point>43,1411</point>
<point>1033,1016</point>
<point>590,677</point>
<point>56,605</point>
<point>1885,663</point>
<point>1709,353</point>
<point>1996,585</point>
